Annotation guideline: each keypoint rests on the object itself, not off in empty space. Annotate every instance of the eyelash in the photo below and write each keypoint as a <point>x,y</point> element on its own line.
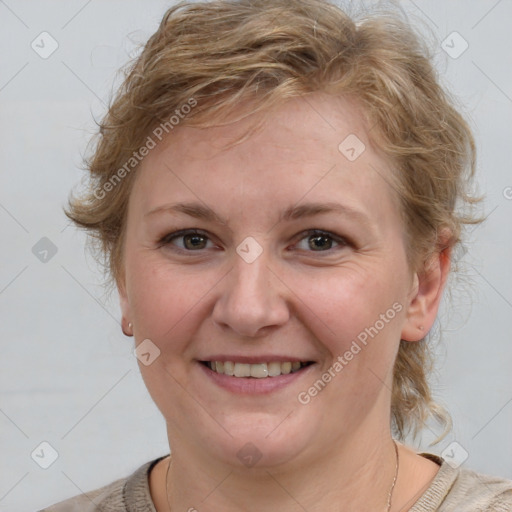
<point>167,239</point>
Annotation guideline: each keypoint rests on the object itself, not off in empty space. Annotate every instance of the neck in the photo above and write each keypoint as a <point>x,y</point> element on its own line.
<point>357,473</point>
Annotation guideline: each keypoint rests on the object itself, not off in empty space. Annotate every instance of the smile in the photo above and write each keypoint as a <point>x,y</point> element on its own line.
<point>257,371</point>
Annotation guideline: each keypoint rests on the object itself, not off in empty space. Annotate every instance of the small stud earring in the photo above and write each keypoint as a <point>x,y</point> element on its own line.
<point>420,327</point>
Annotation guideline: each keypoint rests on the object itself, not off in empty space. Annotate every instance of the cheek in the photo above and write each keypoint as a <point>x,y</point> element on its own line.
<point>165,297</point>
<point>356,318</point>
<point>345,303</point>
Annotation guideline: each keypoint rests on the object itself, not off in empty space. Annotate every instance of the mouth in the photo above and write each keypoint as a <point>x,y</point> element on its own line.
<point>261,370</point>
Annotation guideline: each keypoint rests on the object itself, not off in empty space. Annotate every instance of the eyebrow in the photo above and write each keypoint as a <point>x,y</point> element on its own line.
<point>203,212</point>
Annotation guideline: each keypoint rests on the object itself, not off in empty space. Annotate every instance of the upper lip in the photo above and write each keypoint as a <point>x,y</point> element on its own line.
<point>264,358</point>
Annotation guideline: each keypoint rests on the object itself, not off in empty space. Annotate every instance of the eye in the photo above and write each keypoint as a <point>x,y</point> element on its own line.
<point>186,240</point>
<point>317,240</point>
<point>193,240</point>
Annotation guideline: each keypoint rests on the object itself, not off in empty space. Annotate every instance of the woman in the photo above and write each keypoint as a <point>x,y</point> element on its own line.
<point>274,189</point>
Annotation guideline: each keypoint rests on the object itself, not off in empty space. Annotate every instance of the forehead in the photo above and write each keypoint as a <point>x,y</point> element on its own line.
<point>290,130</point>
<point>315,146</point>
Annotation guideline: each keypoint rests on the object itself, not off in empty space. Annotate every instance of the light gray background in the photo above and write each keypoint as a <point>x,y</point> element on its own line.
<point>67,374</point>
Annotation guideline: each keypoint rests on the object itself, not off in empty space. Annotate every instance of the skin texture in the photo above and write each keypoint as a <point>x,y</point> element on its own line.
<point>291,300</point>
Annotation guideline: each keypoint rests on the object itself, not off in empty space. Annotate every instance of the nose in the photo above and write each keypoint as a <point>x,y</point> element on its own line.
<point>252,299</point>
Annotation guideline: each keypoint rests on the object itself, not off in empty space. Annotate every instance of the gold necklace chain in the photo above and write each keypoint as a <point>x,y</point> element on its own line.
<point>390,494</point>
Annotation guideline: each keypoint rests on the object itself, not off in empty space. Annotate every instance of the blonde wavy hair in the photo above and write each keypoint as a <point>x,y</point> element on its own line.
<point>222,53</point>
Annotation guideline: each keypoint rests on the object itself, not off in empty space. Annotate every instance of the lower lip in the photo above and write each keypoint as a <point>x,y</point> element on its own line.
<point>252,385</point>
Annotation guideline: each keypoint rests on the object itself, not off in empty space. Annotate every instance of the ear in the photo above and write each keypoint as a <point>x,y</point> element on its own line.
<point>125,305</point>
<point>425,297</point>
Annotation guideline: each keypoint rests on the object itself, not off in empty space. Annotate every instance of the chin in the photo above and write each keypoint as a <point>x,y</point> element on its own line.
<point>264,441</point>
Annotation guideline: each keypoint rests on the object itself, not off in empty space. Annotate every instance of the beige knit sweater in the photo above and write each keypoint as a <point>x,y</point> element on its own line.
<point>452,490</point>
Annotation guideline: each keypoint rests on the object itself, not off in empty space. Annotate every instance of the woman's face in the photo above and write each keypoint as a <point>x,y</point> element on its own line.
<point>255,284</point>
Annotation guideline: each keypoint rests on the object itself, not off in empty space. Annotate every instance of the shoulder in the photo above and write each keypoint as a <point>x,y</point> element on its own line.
<point>108,497</point>
<point>456,489</point>
<point>115,496</point>
<point>481,492</point>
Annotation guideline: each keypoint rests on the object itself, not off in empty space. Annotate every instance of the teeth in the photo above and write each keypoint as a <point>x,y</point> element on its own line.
<point>286,368</point>
<point>242,370</point>
<point>257,371</point>
<point>274,368</point>
<point>229,368</point>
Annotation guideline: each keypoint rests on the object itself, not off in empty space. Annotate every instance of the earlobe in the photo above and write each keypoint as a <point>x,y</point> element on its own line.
<point>426,294</point>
